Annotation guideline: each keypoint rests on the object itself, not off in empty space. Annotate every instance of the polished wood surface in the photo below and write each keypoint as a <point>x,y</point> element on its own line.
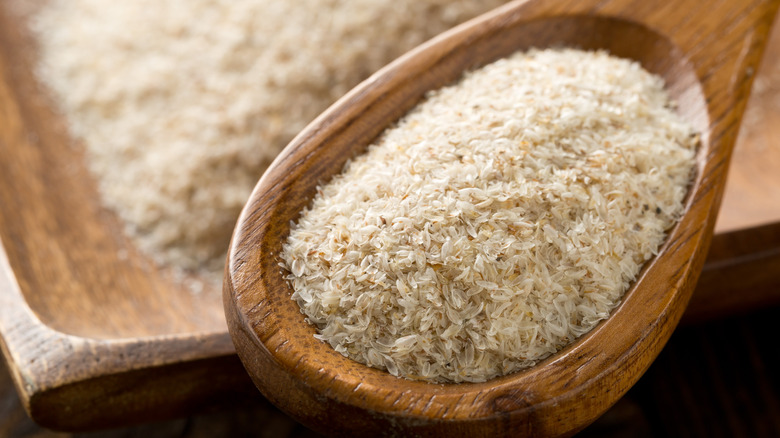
<point>712,380</point>
<point>252,417</point>
<point>752,196</point>
<point>155,362</point>
<point>708,65</point>
<point>82,312</point>
<point>742,273</point>
<point>59,238</point>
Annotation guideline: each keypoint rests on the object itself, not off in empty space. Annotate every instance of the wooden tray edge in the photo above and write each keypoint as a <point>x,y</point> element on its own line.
<point>69,382</point>
<point>73,383</point>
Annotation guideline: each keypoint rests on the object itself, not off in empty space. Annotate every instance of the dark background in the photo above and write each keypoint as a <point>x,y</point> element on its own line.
<point>716,379</point>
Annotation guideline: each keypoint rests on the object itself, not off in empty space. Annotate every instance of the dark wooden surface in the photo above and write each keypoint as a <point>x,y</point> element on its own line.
<point>166,339</point>
<point>257,419</point>
<point>713,379</point>
<point>718,379</point>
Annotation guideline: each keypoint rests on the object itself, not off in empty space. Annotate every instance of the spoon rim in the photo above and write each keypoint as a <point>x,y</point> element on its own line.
<point>249,244</point>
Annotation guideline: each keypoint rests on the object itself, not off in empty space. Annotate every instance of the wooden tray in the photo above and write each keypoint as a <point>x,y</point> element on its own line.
<point>96,336</point>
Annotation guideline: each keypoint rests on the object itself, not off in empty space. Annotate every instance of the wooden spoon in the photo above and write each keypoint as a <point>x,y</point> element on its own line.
<point>707,54</point>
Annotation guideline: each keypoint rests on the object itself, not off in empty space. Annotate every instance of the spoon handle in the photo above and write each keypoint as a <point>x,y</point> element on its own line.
<point>707,63</point>
<point>722,40</point>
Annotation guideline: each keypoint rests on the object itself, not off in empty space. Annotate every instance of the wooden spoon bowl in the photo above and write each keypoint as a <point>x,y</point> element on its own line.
<point>707,63</point>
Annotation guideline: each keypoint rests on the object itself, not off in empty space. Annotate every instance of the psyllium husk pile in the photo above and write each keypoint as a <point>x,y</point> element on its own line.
<point>182,104</point>
<point>498,221</point>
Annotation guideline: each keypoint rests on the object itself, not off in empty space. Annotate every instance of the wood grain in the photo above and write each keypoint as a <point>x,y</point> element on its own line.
<point>94,332</point>
<point>742,273</point>
<point>718,379</point>
<point>119,342</point>
<point>63,239</point>
<point>752,196</point>
<point>707,63</point>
